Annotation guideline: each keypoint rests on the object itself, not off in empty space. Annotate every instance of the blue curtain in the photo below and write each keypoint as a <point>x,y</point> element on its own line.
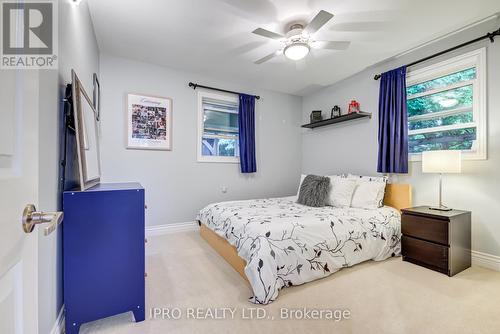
<point>393,123</point>
<point>246,122</point>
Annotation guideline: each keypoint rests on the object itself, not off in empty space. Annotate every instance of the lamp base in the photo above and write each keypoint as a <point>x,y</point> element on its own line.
<point>440,208</point>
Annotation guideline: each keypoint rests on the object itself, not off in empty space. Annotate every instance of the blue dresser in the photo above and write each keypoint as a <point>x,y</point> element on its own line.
<point>103,253</point>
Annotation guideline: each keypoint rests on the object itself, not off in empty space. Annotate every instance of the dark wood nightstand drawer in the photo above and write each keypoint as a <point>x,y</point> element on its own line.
<point>438,240</point>
<point>430,229</point>
<point>425,252</point>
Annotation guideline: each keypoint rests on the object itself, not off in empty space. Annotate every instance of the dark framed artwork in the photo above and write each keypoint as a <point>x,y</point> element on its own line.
<point>316,116</point>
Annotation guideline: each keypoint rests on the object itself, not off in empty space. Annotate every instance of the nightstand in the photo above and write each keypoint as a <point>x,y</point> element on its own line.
<point>438,240</point>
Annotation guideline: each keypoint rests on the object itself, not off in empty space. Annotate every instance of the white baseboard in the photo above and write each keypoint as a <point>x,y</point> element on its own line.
<point>58,327</point>
<point>171,228</point>
<point>486,260</point>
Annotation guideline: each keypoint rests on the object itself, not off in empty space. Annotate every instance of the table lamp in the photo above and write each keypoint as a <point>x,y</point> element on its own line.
<point>441,162</point>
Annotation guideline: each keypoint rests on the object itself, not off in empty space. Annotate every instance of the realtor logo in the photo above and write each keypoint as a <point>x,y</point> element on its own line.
<point>29,35</point>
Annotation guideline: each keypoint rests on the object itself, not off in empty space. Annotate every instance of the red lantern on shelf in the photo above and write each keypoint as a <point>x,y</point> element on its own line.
<point>354,107</point>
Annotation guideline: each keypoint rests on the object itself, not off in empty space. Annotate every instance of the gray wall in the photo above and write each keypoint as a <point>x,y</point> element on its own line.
<point>177,186</point>
<point>77,49</point>
<point>352,147</point>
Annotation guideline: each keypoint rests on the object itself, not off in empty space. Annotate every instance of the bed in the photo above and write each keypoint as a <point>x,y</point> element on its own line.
<point>275,243</point>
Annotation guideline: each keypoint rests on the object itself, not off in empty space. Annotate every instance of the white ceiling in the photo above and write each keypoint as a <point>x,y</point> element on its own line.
<point>213,37</point>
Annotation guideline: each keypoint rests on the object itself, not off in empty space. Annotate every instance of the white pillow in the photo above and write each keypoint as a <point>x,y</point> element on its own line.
<point>380,180</point>
<point>368,195</point>
<point>341,191</point>
<point>364,178</point>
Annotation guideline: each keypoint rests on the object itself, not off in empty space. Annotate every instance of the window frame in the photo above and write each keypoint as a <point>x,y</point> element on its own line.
<point>477,59</point>
<point>217,96</point>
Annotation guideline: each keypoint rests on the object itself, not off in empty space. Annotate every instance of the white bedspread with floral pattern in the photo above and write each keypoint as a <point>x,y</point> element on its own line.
<point>285,243</point>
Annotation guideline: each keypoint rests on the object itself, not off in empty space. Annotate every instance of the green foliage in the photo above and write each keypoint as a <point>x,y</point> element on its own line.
<point>456,98</point>
<point>447,80</point>
<point>227,147</point>
<point>460,139</point>
<point>441,121</point>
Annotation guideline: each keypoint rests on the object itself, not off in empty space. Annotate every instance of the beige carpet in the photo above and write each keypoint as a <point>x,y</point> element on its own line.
<point>383,297</point>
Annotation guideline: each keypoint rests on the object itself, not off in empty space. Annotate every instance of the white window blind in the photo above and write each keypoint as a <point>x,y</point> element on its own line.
<point>218,128</point>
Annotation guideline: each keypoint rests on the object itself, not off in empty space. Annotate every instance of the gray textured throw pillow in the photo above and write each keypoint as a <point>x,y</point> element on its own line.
<point>314,191</point>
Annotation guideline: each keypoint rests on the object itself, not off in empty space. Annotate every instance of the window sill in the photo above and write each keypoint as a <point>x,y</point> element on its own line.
<point>219,160</point>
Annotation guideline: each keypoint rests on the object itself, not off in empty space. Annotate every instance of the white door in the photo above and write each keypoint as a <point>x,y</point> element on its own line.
<point>18,187</point>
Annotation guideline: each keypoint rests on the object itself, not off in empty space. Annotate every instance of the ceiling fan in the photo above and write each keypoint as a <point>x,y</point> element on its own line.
<point>299,40</point>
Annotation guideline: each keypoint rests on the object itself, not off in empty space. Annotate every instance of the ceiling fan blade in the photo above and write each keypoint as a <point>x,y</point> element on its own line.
<point>266,58</point>
<point>318,21</point>
<point>330,45</point>
<point>267,33</point>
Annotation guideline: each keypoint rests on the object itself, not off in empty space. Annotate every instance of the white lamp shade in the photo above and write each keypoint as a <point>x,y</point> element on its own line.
<point>442,161</point>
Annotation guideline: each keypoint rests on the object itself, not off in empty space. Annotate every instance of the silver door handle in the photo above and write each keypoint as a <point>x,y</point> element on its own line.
<point>31,217</point>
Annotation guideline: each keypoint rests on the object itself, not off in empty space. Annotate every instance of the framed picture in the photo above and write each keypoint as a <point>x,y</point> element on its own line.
<point>87,135</point>
<point>316,116</point>
<point>149,122</point>
<point>96,94</point>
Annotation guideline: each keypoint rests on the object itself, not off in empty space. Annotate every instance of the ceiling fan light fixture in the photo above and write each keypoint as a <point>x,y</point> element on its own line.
<point>299,39</point>
<point>296,51</point>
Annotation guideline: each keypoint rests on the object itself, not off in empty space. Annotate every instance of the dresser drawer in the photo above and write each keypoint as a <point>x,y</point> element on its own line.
<point>425,228</point>
<point>425,252</point>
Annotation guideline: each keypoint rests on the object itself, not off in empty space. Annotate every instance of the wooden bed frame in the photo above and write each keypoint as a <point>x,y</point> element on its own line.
<point>397,195</point>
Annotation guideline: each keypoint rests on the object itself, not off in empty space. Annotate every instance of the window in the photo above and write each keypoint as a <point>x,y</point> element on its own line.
<point>447,106</point>
<point>218,139</point>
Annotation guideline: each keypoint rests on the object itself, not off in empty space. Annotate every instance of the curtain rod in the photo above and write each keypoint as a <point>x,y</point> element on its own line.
<point>490,36</point>
<point>195,85</point>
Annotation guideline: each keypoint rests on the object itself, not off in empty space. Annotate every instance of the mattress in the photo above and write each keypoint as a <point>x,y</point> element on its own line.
<point>285,243</point>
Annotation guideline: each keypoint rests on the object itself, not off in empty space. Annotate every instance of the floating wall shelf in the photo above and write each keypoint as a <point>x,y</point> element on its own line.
<point>339,119</point>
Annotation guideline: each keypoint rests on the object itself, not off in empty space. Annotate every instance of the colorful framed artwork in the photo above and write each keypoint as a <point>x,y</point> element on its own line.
<point>149,122</point>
